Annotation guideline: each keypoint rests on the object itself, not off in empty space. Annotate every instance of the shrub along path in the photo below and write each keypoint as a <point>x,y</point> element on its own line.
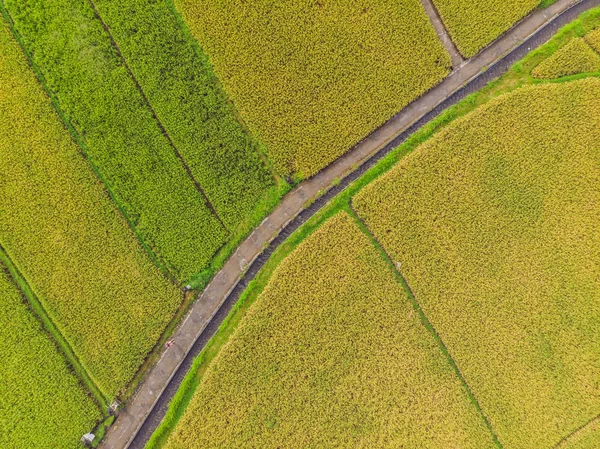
<point>147,407</point>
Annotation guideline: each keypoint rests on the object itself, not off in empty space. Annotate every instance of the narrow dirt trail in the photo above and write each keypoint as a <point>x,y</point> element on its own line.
<point>442,32</point>
<point>148,406</point>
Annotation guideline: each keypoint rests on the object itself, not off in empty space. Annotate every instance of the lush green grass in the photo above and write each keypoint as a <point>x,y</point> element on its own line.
<point>517,76</point>
<point>178,81</point>
<point>332,354</point>
<point>68,240</point>
<point>494,222</point>
<point>313,78</point>
<point>575,57</point>
<point>474,24</point>
<point>43,405</point>
<point>118,132</point>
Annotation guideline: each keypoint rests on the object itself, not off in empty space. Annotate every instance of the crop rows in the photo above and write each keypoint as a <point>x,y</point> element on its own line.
<point>67,238</point>
<point>42,404</point>
<point>494,221</point>
<point>593,39</point>
<point>575,57</point>
<point>179,83</point>
<point>312,78</point>
<point>331,354</point>
<point>474,24</point>
<point>96,93</point>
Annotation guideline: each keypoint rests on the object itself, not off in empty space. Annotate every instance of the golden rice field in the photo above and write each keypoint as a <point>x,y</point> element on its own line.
<point>69,240</point>
<point>38,391</point>
<point>474,24</point>
<point>312,78</point>
<point>586,438</point>
<point>495,224</point>
<point>593,39</point>
<point>332,354</point>
<point>575,57</point>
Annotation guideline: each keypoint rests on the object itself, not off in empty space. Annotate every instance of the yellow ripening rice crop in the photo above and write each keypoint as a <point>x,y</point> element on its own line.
<point>42,403</point>
<point>586,438</point>
<point>68,239</point>
<point>312,78</point>
<point>575,57</point>
<point>474,24</point>
<point>496,223</point>
<point>331,354</point>
<point>593,39</point>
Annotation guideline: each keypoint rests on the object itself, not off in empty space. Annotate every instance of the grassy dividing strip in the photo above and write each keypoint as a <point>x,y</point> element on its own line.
<point>77,138</point>
<point>545,3</point>
<point>517,76</point>
<point>69,45</point>
<point>101,398</point>
<point>417,307</point>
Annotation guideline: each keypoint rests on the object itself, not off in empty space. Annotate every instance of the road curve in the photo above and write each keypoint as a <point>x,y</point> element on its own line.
<point>148,406</point>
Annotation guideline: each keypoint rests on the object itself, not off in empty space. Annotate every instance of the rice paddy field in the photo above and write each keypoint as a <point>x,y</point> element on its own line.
<point>336,327</point>
<point>474,24</point>
<point>447,299</point>
<point>66,237</point>
<point>38,391</point>
<point>494,224</point>
<point>312,78</point>
<point>487,221</point>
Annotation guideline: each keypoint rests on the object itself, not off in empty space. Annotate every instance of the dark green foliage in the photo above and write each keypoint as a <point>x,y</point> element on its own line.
<point>179,83</point>
<point>123,140</point>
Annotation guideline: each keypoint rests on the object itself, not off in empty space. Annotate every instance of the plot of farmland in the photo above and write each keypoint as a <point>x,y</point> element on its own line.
<point>332,354</point>
<point>312,78</point>
<point>100,99</point>
<point>575,57</point>
<point>37,392</point>
<point>181,87</point>
<point>68,239</point>
<point>495,222</point>
<point>474,24</point>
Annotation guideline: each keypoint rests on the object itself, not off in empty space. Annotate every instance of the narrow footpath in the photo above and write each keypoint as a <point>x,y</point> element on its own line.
<point>147,407</point>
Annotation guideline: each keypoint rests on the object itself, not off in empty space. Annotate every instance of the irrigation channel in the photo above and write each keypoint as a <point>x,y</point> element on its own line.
<point>145,410</point>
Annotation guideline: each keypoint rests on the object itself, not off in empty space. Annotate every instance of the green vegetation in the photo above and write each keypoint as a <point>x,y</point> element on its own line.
<point>575,57</point>
<point>42,405</point>
<point>312,78</point>
<point>179,83</point>
<point>113,124</point>
<point>68,240</point>
<point>474,24</point>
<point>495,225</point>
<point>332,354</point>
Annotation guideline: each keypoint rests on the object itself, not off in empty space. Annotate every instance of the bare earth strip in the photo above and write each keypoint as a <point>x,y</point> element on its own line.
<point>148,406</point>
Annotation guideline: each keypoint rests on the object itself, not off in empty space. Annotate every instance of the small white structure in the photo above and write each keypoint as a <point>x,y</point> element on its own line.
<point>88,439</point>
<point>113,410</point>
